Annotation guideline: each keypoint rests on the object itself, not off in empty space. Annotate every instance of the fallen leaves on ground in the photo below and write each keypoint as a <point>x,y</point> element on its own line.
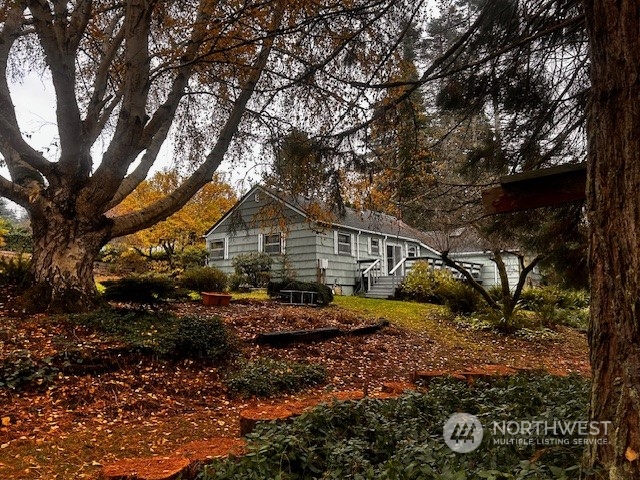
<point>152,407</point>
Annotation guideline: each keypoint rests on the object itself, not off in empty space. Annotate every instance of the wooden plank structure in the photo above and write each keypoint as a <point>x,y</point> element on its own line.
<point>538,188</point>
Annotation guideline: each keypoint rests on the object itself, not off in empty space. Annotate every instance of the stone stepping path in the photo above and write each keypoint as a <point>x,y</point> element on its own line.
<point>189,459</point>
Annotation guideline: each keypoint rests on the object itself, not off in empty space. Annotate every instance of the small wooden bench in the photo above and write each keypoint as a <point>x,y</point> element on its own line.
<point>298,297</point>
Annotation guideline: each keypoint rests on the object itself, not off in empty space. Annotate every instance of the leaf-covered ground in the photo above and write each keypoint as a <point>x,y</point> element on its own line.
<point>140,406</point>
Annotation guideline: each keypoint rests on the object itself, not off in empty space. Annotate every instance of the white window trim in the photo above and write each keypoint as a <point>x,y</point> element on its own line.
<point>336,244</point>
<point>262,243</point>
<point>225,248</point>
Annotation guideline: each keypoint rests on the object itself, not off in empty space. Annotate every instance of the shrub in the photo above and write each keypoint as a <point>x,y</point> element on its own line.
<point>140,289</point>
<point>15,271</point>
<point>204,279</point>
<point>130,261</point>
<point>459,297</point>
<point>267,377</point>
<point>191,257</point>
<point>424,284</point>
<point>254,267</point>
<point>110,253</point>
<point>402,438</point>
<point>20,371</point>
<point>558,306</point>
<point>198,338</point>
<point>238,283</point>
<point>165,335</point>
<point>18,239</point>
<point>324,294</point>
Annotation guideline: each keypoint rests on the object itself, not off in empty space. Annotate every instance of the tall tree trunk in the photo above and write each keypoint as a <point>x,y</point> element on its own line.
<point>64,250</point>
<point>613,202</point>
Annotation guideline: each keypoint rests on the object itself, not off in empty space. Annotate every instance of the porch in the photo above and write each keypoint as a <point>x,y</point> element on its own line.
<point>376,281</point>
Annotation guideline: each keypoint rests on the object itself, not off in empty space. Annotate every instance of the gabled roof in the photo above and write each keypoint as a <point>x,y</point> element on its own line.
<point>357,220</point>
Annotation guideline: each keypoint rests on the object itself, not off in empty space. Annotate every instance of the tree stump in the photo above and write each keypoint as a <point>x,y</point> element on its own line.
<point>426,376</point>
<point>250,417</point>
<point>153,468</point>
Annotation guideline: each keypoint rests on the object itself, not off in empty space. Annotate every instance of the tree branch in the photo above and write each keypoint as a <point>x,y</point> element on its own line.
<point>92,124</point>
<point>523,276</point>
<point>59,40</point>
<point>168,205</point>
<point>156,130</point>
<point>472,281</point>
<point>22,160</point>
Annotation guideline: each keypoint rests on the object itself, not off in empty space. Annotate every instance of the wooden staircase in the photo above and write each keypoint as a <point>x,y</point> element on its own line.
<point>384,287</point>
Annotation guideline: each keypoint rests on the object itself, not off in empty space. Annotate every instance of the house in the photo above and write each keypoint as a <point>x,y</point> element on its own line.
<point>358,252</point>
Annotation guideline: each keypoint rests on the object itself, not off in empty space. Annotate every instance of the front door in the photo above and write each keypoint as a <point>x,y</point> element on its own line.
<point>394,255</point>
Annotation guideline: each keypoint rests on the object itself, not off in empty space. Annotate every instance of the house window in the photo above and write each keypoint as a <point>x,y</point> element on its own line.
<point>412,251</point>
<point>375,246</point>
<point>216,249</point>
<point>273,244</point>
<point>344,243</point>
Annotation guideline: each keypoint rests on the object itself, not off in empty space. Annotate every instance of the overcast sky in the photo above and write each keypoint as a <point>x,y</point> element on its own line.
<point>35,106</point>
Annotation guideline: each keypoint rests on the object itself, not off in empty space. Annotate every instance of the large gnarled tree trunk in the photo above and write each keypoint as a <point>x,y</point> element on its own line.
<point>613,199</point>
<point>64,250</point>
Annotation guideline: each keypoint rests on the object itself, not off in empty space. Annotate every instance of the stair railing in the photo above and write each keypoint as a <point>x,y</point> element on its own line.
<point>372,273</point>
<point>396,272</point>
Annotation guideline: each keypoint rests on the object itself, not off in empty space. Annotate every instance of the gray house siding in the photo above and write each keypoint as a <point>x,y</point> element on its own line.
<point>489,274</point>
<point>341,267</point>
<point>244,228</point>
<point>338,253</point>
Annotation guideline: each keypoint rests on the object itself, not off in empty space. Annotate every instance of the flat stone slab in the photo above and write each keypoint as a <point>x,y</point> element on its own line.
<point>427,376</point>
<point>152,468</point>
<point>250,417</point>
<point>203,451</point>
<point>397,387</point>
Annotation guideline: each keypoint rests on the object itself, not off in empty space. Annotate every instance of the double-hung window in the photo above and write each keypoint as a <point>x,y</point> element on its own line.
<point>375,246</point>
<point>344,243</point>
<point>217,249</point>
<point>273,244</point>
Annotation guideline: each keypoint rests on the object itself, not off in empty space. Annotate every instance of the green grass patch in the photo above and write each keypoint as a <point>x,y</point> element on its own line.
<point>417,316</point>
<point>423,317</point>
<point>260,294</point>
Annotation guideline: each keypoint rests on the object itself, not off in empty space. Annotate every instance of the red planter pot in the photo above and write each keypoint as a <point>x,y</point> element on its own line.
<point>215,299</point>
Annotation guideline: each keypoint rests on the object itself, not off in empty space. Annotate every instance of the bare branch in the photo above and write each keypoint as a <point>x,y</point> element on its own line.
<point>472,281</point>
<point>60,43</point>
<point>92,123</point>
<point>164,207</point>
